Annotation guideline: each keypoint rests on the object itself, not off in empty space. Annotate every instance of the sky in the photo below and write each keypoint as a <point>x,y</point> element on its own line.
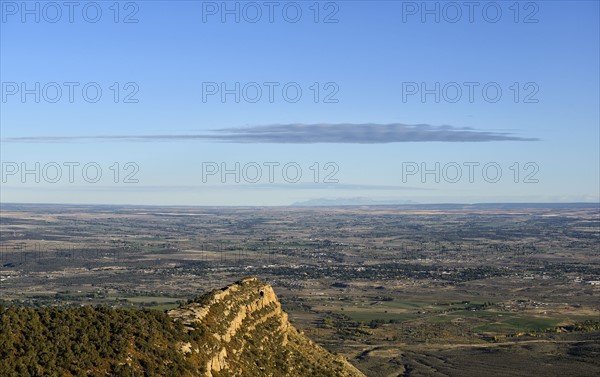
<point>275,103</point>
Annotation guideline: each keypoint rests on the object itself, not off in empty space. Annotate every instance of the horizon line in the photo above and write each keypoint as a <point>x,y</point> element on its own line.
<point>298,205</point>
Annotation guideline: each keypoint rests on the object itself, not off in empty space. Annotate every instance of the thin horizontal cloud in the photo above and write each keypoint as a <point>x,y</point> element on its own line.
<point>369,133</point>
<point>344,133</point>
<point>219,187</point>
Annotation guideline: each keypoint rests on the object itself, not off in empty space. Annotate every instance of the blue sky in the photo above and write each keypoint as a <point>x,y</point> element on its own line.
<point>372,129</point>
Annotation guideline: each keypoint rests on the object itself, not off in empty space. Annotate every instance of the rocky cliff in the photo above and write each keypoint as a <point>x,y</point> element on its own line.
<point>241,330</point>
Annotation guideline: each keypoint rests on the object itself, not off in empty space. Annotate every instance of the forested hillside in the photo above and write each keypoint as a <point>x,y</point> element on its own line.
<point>90,341</point>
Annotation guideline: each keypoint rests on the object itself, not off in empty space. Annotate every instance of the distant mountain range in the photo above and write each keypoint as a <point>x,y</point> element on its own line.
<point>357,201</point>
<point>361,201</point>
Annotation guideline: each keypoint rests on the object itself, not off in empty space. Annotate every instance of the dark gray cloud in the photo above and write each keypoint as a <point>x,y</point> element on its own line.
<point>369,133</point>
<point>345,133</point>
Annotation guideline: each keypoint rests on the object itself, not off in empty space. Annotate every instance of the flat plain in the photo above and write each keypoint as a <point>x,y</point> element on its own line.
<point>413,290</point>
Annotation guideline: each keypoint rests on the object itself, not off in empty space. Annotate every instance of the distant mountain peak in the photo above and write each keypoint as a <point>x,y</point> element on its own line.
<point>355,201</point>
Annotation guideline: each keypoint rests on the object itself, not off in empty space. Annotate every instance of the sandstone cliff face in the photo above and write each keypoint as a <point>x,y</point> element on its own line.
<point>241,330</point>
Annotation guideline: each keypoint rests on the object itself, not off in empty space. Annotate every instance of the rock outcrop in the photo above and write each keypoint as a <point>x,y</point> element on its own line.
<point>241,330</point>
